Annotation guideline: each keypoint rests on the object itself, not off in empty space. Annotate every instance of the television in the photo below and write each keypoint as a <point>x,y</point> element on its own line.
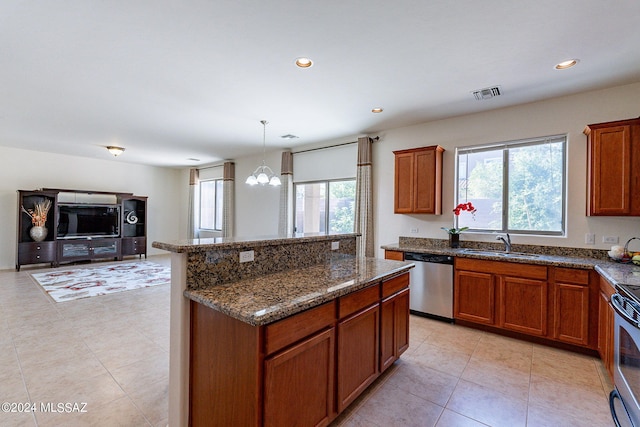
<point>77,221</point>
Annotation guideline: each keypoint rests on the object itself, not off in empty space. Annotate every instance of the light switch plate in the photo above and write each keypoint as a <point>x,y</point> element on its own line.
<point>335,246</point>
<point>590,238</point>
<point>610,239</point>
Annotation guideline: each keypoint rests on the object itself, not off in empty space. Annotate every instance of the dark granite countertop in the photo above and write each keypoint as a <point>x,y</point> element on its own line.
<point>265,299</point>
<point>203,245</point>
<point>612,271</point>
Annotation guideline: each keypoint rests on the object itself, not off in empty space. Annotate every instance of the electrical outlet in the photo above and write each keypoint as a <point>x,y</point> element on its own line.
<point>246,256</point>
<point>414,231</point>
<point>610,239</point>
<point>335,246</point>
<point>590,238</point>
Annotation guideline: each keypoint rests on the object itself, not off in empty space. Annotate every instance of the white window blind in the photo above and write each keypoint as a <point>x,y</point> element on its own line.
<point>326,164</point>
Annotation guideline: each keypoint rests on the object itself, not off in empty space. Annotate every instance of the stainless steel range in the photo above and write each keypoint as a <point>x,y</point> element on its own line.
<point>623,400</point>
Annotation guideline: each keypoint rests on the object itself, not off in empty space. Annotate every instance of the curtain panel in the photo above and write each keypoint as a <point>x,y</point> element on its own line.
<point>285,219</point>
<point>228,198</point>
<point>364,198</point>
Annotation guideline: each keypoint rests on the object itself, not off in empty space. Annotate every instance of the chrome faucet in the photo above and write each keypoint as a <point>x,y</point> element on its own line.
<point>507,242</point>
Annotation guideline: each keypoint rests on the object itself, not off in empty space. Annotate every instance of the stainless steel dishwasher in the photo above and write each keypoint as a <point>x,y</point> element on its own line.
<point>431,285</point>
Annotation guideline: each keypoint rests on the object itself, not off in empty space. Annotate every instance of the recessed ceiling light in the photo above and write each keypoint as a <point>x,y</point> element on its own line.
<point>566,64</point>
<point>304,62</point>
<point>377,110</point>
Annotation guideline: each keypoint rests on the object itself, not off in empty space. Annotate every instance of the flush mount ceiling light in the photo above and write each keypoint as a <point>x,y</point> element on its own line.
<point>304,62</point>
<point>263,174</point>
<point>377,110</point>
<point>116,151</point>
<point>566,64</point>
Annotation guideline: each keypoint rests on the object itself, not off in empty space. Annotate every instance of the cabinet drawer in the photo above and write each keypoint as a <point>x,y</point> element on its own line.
<point>133,246</point>
<point>351,303</point>
<point>572,275</point>
<point>287,331</point>
<point>529,271</point>
<point>390,287</point>
<point>33,253</point>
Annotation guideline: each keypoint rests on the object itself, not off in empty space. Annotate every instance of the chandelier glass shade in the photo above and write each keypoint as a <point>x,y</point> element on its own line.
<point>263,174</point>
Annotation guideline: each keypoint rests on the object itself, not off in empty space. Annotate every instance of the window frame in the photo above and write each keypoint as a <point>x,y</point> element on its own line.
<point>216,181</point>
<point>326,182</point>
<point>505,147</point>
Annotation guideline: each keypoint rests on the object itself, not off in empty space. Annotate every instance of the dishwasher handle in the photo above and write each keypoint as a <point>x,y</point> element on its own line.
<point>432,258</point>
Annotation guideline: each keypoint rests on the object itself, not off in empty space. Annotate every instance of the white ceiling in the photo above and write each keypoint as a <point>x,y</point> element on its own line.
<point>173,80</point>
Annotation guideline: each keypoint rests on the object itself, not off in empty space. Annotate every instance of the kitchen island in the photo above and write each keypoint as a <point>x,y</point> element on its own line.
<point>295,335</point>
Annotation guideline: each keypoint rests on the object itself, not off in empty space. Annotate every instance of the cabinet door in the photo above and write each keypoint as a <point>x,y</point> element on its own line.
<point>474,297</point>
<point>611,171</point>
<point>605,332</point>
<point>426,183</point>
<point>404,182</point>
<point>134,245</point>
<point>105,248</point>
<point>74,249</point>
<point>394,328</point>
<point>298,385</point>
<point>523,305</point>
<point>571,313</point>
<point>357,354</point>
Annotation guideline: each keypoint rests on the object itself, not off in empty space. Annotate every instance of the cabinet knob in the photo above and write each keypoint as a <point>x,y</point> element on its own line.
<point>38,247</point>
<point>37,256</point>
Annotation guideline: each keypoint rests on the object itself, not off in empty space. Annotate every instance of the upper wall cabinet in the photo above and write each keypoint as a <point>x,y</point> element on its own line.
<point>418,180</point>
<point>613,168</point>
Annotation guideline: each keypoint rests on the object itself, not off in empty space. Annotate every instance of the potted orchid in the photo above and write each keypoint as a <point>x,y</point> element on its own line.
<point>454,233</point>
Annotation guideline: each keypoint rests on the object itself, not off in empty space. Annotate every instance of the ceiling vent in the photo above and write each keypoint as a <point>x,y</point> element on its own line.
<point>288,136</point>
<point>487,93</point>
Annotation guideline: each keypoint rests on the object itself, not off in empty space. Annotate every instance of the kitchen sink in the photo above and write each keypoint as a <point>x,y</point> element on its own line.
<point>489,252</point>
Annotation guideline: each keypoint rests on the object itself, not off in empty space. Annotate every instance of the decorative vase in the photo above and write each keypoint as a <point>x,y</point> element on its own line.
<point>454,240</point>
<point>38,233</point>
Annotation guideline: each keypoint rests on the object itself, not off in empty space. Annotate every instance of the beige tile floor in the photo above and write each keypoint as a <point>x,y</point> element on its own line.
<point>112,353</point>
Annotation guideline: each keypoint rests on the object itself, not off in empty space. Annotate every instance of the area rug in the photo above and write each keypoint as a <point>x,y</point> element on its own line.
<point>78,283</point>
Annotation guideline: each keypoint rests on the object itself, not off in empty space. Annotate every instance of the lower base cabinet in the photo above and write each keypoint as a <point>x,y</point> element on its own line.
<point>302,370</point>
<point>605,325</point>
<point>357,354</point>
<point>287,376</point>
<point>552,303</point>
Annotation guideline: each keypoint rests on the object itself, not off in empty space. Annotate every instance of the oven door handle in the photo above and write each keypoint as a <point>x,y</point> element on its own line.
<point>612,397</point>
<point>617,300</point>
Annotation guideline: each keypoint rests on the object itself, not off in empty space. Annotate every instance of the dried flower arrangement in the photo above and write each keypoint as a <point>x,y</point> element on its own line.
<point>39,212</point>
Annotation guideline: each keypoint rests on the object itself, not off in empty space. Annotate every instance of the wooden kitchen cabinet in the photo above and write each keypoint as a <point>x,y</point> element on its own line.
<point>394,320</point>
<point>474,296</point>
<point>394,255</point>
<point>552,303</point>
<point>613,164</point>
<point>418,180</point>
<point>301,370</point>
<point>523,304</point>
<point>571,305</point>
<point>358,343</point>
<point>287,376</point>
<point>605,324</point>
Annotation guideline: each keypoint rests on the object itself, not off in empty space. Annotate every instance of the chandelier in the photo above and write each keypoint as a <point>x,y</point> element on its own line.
<point>263,174</point>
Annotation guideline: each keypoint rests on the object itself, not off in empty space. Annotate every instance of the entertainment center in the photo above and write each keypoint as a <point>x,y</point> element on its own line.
<point>56,226</point>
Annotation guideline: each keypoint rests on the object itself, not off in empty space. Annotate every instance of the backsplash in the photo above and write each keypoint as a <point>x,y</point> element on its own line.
<point>534,249</point>
<point>218,266</point>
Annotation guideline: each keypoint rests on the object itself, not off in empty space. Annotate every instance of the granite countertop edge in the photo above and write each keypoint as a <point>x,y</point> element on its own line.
<point>294,300</point>
<point>215,243</point>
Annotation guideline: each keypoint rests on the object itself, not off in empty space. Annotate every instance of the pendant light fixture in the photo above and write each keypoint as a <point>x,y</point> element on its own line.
<point>263,174</point>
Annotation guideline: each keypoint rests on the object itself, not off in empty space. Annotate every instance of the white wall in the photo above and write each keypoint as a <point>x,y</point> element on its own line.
<point>29,170</point>
<point>562,115</point>
<point>257,207</point>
